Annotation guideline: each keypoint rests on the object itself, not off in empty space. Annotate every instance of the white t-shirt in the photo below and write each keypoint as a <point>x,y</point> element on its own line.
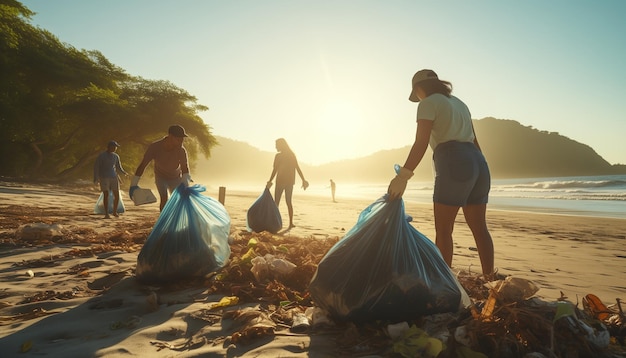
<point>451,119</point>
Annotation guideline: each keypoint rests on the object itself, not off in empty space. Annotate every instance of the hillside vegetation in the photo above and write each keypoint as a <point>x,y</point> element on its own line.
<point>60,106</point>
<point>512,150</point>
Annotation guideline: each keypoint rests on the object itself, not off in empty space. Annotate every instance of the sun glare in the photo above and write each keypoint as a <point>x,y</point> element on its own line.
<point>338,128</point>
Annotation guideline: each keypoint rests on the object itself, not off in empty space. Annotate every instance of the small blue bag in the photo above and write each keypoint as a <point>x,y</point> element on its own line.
<point>384,269</point>
<point>189,239</point>
<point>264,215</point>
<point>99,208</point>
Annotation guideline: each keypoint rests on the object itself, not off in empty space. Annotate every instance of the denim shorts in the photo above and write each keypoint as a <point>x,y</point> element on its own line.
<point>461,175</point>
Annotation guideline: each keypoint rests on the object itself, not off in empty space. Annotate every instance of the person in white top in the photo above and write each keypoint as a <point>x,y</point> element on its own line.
<point>462,178</point>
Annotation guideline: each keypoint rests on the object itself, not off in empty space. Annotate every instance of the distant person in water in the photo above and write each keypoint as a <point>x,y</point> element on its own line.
<point>462,178</point>
<point>333,187</point>
<point>284,169</point>
<point>106,171</point>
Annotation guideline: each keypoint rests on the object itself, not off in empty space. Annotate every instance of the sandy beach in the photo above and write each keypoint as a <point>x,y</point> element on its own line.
<point>73,294</point>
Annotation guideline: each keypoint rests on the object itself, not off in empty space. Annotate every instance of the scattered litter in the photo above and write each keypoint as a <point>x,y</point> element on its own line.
<point>300,323</point>
<point>395,331</point>
<point>39,232</point>
<point>252,324</point>
<point>504,316</point>
<point>318,317</point>
<point>415,342</point>
<point>269,267</point>
<point>225,302</point>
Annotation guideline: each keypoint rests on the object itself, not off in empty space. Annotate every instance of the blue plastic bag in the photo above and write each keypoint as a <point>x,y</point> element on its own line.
<point>263,214</point>
<point>189,239</point>
<point>99,208</point>
<point>384,269</point>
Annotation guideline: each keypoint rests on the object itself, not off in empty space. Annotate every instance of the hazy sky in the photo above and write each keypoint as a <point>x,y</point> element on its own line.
<point>333,77</point>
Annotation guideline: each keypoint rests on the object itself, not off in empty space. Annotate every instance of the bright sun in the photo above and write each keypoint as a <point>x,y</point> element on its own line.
<point>338,131</point>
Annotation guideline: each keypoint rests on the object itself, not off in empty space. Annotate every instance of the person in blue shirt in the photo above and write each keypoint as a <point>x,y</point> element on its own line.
<point>106,171</point>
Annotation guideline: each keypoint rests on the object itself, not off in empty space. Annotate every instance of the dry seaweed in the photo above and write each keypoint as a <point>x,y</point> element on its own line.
<point>496,326</point>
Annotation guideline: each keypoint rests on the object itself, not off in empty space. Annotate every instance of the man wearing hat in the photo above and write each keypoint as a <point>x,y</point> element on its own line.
<point>105,171</point>
<point>170,163</point>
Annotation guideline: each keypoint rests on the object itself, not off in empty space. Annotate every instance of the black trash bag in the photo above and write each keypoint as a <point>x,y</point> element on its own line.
<point>384,269</point>
<point>263,214</point>
<point>188,240</point>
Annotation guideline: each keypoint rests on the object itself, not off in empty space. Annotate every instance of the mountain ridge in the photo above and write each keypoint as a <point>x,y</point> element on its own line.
<point>512,150</point>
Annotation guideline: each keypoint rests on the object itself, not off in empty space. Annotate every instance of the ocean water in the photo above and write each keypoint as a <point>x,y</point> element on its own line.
<point>598,196</point>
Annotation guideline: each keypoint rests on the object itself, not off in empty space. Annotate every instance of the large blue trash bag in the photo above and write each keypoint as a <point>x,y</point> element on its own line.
<point>188,240</point>
<point>99,208</point>
<point>384,269</point>
<point>263,214</point>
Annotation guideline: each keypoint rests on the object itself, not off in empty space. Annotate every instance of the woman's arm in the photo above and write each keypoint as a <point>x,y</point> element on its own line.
<point>299,171</point>
<point>422,136</point>
<point>305,184</point>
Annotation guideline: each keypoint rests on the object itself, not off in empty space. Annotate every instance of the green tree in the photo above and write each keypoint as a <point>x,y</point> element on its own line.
<point>59,105</point>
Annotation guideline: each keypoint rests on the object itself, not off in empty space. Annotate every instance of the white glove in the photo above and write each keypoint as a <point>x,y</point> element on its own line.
<point>134,185</point>
<point>398,184</point>
<point>268,185</point>
<point>187,179</point>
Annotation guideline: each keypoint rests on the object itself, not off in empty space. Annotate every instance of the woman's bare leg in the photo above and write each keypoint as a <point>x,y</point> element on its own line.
<point>444,226</point>
<point>476,220</point>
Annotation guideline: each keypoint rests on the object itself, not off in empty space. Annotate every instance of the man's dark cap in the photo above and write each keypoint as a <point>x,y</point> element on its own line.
<point>177,131</point>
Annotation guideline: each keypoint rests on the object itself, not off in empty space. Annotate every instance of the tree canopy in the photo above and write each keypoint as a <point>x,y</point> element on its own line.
<point>59,106</point>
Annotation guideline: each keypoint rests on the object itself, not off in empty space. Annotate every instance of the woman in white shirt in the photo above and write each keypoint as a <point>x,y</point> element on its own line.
<point>462,178</point>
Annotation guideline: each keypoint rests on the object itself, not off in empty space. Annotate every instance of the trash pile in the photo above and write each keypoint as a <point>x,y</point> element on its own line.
<point>505,319</point>
<point>265,289</point>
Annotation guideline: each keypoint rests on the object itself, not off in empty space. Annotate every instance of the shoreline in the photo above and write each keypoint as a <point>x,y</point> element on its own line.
<point>542,205</point>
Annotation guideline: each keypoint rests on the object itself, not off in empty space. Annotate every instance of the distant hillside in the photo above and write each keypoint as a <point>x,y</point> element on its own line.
<point>512,150</point>
<point>234,161</point>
